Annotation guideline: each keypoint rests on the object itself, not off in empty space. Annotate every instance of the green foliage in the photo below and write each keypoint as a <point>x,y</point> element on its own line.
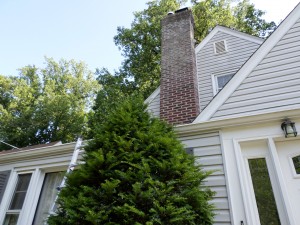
<point>249,20</point>
<point>140,44</point>
<point>135,171</point>
<point>43,105</point>
<point>243,17</point>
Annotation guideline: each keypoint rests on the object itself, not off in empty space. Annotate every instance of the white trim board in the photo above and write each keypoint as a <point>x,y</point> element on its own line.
<point>247,68</point>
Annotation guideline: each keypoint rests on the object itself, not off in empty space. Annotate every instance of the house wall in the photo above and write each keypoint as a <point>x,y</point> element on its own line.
<point>154,106</point>
<point>38,162</point>
<point>208,147</point>
<point>262,137</point>
<point>209,63</point>
<point>274,85</point>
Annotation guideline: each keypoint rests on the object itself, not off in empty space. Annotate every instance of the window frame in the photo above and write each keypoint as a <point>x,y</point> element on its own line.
<point>292,166</point>
<point>214,79</point>
<point>13,193</point>
<point>34,190</point>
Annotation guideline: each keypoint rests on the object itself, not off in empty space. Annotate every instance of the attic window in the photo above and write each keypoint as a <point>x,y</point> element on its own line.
<point>220,47</point>
<point>220,80</point>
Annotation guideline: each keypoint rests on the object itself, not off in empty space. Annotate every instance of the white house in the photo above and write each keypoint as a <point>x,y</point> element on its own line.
<point>237,128</point>
<point>229,98</point>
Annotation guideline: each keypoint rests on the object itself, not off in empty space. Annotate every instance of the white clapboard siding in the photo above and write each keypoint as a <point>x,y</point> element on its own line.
<point>209,63</point>
<point>274,85</point>
<point>207,149</point>
<point>154,106</point>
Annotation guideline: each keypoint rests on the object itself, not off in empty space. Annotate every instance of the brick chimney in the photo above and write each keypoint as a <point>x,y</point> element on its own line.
<point>179,102</point>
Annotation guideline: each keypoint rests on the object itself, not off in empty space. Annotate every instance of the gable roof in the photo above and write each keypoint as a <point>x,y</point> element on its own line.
<point>229,31</point>
<point>248,67</point>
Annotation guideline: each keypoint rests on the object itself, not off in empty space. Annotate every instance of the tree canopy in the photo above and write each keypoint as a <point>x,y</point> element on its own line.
<point>135,172</point>
<point>140,44</point>
<point>46,104</point>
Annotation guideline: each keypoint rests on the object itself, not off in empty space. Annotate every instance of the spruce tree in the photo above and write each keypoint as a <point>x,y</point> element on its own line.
<point>135,172</point>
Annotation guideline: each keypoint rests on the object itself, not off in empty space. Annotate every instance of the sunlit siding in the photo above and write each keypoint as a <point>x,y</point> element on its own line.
<point>208,148</point>
<point>274,85</point>
<point>209,63</point>
<point>154,107</point>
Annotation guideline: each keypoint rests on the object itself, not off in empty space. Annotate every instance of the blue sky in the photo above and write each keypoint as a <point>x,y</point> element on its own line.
<point>70,29</point>
<point>77,29</point>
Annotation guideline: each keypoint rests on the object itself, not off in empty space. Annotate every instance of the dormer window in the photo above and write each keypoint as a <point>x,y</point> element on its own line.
<point>220,80</point>
<point>220,47</point>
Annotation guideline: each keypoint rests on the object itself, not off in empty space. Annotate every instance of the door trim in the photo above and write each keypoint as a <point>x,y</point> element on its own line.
<point>276,176</point>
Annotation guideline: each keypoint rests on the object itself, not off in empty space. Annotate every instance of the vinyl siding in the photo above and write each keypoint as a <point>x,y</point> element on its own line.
<point>154,106</point>
<point>208,148</point>
<point>274,85</point>
<point>209,63</point>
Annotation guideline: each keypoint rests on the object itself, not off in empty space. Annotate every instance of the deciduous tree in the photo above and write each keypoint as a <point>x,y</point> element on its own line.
<point>140,44</point>
<point>48,104</point>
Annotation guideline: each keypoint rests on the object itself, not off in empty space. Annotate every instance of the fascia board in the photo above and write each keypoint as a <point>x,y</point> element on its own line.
<point>247,68</point>
<point>55,151</point>
<point>230,32</point>
<point>206,126</point>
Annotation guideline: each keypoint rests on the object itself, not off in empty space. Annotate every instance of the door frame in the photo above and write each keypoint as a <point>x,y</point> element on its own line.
<point>276,176</point>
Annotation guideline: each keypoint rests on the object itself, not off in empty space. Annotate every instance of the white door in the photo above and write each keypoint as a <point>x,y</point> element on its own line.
<point>289,157</point>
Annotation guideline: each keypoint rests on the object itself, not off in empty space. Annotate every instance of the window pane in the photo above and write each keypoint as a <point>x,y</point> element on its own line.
<point>47,197</point>
<point>23,182</point>
<point>296,161</point>
<point>20,192</point>
<point>11,219</point>
<point>222,80</point>
<point>264,195</point>
<point>18,200</point>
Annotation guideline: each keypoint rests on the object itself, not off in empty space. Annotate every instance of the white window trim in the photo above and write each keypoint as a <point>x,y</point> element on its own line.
<point>214,80</point>
<point>10,188</point>
<point>291,164</point>
<point>276,177</point>
<point>34,189</point>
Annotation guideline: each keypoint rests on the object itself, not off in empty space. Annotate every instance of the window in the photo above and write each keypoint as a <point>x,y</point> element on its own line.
<point>47,197</point>
<point>16,204</point>
<point>219,81</point>
<point>263,191</point>
<point>4,175</point>
<point>296,162</point>
<point>220,47</point>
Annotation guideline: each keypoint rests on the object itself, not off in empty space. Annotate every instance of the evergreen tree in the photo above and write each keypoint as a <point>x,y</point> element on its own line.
<point>135,172</point>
